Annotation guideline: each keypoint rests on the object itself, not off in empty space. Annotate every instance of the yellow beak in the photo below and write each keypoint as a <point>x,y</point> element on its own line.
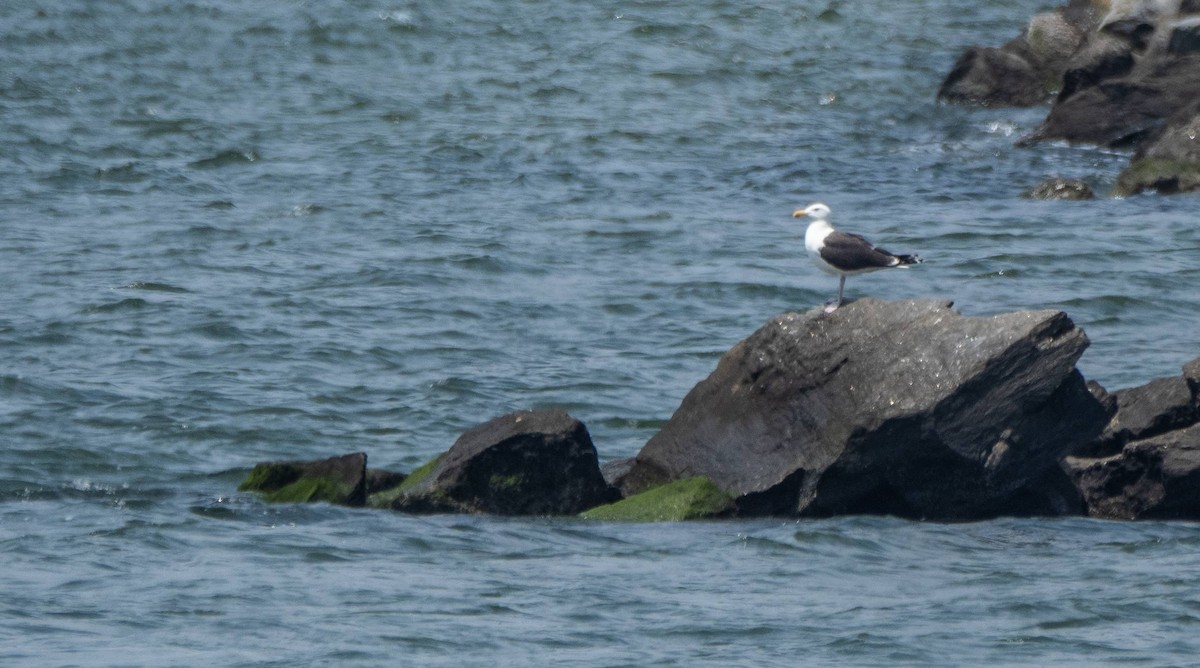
<point>799,213</point>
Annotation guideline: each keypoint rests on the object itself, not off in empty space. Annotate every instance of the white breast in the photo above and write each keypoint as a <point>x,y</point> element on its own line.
<point>814,240</point>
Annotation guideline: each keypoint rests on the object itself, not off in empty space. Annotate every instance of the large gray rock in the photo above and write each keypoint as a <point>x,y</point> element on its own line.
<point>906,408</point>
<point>524,463</point>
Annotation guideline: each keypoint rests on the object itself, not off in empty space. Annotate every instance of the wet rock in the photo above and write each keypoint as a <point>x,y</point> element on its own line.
<point>1060,188</point>
<point>338,480</point>
<point>904,408</point>
<point>1153,478</point>
<point>524,463</point>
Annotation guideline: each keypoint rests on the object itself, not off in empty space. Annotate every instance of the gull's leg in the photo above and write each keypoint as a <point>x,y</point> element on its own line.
<point>832,305</point>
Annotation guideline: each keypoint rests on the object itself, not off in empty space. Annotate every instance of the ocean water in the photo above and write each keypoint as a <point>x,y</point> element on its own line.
<point>234,232</point>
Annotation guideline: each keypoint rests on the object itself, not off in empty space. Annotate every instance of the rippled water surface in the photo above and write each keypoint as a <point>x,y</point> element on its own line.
<point>235,232</point>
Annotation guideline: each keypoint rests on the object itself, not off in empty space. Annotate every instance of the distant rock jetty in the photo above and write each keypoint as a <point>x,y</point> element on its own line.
<point>1121,74</point>
<point>904,408</point>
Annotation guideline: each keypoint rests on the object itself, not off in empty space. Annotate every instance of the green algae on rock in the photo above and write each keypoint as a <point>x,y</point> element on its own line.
<point>689,499</point>
<point>1167,177</point>
<point>387,497</point>
<point>337,480</point>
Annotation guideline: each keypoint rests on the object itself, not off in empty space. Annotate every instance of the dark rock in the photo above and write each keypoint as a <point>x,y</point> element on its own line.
<point>1028,69</point>
<point>1191,373</point>
<point>994,77</point>
<point>1060,188</point>
<point>1157,407</point>
<point>524,463</point>
<point>1125,110</point>
<point>1107,400</point>
<point>379,480</point>
<point>1113,113</point>
<point>1154,478</point>
<point>1185,37</point>
<point>614,471</point>
<point>1102,57</point>
<point>339,480</point>
<point>904,408</point>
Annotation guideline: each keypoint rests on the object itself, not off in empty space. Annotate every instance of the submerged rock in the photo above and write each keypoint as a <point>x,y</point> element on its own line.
<point>524,463</point>
<point>904,408</point>
<point>1060,188</point>
<point>340,480</point>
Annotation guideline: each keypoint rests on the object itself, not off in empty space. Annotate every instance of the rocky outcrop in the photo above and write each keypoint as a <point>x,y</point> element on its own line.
<point>1127,76</point>
<point>1028,69</point>
<point>1146,463</point>
<point>904,408</point>
<point>524,463</point>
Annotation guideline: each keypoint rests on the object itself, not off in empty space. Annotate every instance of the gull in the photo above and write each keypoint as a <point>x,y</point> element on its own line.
<point>843,253</point>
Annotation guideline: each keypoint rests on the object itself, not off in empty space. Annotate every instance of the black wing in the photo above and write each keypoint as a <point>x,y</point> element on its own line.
<point>850,252</point>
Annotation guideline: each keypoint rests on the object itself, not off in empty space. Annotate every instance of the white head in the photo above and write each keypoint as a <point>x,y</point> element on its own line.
<point>816,210</point>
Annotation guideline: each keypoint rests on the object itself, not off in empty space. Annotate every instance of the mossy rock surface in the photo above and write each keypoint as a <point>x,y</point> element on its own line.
<point>689,499</point>
<point>387,497</point>
<point>1168,177</point>
<point>311,490</point>
<point>338,480</point>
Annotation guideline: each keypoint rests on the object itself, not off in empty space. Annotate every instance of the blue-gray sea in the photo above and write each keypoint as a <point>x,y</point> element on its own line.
<point>233,232</point>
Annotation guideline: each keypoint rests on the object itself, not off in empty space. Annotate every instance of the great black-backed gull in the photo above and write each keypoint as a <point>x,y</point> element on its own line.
<point>842,253</point>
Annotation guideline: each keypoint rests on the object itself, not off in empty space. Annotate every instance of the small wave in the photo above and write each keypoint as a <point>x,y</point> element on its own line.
<point>227,158</point>
<point>129,304</point>
<point>220,331</point>
<point>155,287</point>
